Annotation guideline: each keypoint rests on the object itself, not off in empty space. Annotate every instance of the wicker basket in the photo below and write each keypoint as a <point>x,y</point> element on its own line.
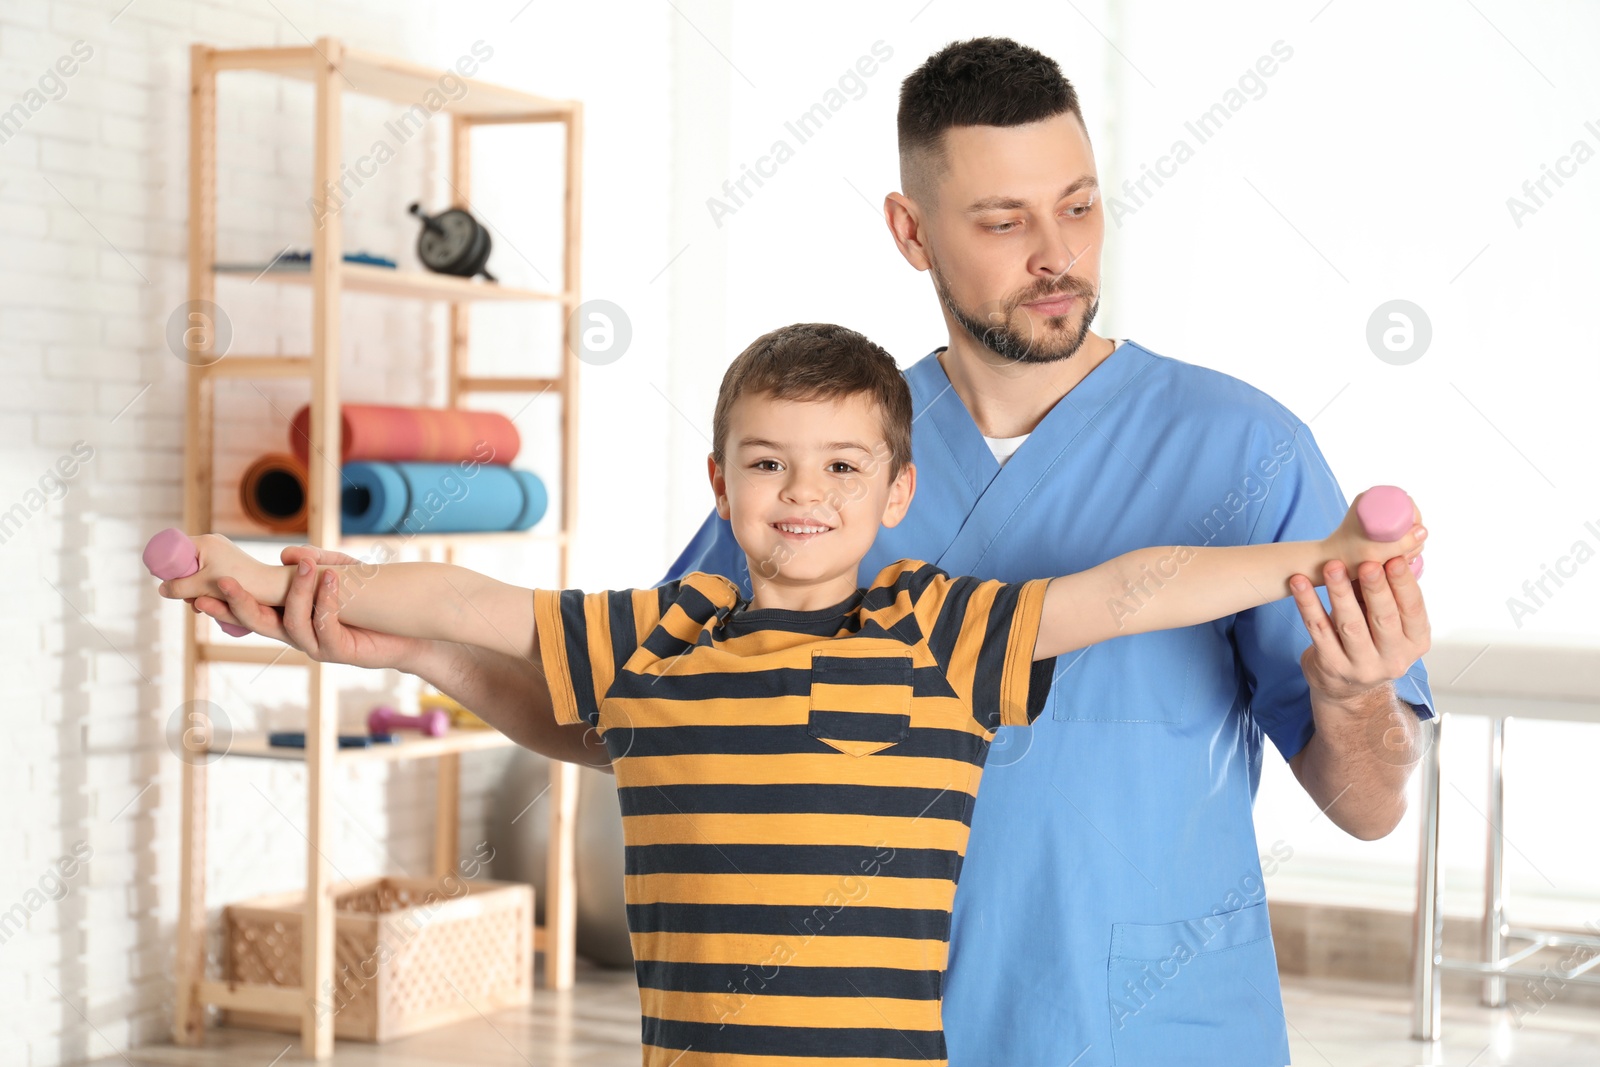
<point>409,953</point>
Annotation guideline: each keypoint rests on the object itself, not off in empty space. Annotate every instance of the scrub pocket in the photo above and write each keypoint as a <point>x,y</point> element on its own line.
<point>1202,992</point>
<point>860,701</point>
<point>1139,678</point>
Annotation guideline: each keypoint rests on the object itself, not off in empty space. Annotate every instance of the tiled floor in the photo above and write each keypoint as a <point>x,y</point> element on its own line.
<point>1343,1024</point>
<point>597,1025</point>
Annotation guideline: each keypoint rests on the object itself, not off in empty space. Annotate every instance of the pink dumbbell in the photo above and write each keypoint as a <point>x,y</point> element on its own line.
<point>1386,513</point>
<point>171,555</point>
<point>385,720</point>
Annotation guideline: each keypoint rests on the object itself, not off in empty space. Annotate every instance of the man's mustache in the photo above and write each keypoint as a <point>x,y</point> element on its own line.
<point>1069,286</point>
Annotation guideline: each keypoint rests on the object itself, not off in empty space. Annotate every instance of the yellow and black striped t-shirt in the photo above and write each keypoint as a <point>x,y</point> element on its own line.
<point>796,791</point>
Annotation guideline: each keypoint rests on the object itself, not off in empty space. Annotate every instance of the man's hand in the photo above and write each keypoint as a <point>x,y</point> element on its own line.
<point>1373,636</point>
<point>1358,761</point>
<point>309,619</point>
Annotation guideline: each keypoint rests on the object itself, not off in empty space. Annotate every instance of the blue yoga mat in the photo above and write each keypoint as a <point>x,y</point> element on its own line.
<point>427,498</point>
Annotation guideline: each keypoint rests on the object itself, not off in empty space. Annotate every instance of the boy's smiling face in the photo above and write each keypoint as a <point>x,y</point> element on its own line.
<point>806,487</point>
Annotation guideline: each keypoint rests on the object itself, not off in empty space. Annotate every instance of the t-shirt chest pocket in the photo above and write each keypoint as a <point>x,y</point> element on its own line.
<point>861,701</point>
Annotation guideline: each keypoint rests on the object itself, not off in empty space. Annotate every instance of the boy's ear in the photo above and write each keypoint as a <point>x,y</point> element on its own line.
<point>901,490</point>
<point>719,485</point>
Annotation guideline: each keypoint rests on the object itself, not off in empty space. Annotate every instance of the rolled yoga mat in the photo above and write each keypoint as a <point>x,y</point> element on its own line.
<point>273,492</point>
<point>418,498</point>
<point>424,435</point>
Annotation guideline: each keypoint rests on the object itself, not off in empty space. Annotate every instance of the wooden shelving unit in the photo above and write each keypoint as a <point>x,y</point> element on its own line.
<point>365,278</point>
<point>335,70</point>
<point>408,748</point>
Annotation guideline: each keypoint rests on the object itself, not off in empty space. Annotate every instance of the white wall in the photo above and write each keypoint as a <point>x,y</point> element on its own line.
<point>1391,141</point>
<point>92,656</point>
<point>1374,163</point>
<point>809,243</point>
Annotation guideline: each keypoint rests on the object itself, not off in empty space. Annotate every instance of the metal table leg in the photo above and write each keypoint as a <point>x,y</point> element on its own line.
<point>1429,931</point>
<point>1494,875</point>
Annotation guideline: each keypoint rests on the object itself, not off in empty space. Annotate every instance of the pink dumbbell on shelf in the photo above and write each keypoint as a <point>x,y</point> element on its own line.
<point>1386,513</point>
<point>171,555</point>
<point>385,720</point>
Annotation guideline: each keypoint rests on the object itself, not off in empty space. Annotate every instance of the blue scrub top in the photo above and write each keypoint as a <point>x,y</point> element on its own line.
<point>1111,909</point>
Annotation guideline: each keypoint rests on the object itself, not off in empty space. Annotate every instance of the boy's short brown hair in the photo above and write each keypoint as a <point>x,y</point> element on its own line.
<point>819,361</point>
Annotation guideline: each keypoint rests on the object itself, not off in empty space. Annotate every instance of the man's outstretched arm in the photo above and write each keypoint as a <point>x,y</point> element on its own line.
<point>506,691</point>
<point>510,694</point>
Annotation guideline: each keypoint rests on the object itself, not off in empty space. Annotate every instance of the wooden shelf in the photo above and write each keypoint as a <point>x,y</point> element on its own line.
<point>370,74</point>
<point>261,367</point>
<point>255,746</point>
<point>453,540</point>
<point>258,367</point>
<point>446,540</point>
<point>421,285</point>
<point>249,650</point>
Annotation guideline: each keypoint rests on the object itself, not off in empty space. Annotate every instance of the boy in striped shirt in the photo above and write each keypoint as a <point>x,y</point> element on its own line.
<point>797,770</point>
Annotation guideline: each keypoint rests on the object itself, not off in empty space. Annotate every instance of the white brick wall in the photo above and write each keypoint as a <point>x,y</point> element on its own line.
<point>93,219</point>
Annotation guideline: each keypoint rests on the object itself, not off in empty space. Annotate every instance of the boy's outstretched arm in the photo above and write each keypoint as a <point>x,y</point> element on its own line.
<point>435,601</point>
<point>1173,586</point>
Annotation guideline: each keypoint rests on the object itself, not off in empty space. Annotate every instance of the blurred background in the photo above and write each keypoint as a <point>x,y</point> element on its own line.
<point>1435,161</point>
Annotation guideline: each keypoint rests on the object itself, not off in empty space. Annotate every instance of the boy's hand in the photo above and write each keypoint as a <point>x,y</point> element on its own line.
<point>1350,545</point>
<point>218,558</point>
<point>1378,625</point>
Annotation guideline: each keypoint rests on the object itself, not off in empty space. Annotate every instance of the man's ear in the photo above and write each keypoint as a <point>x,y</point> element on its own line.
<point>905,226</point>
<point>719,485</point>
<point>901,491</point>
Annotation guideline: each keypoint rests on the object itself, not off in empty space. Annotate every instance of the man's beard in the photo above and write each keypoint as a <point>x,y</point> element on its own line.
<point>995,327</point>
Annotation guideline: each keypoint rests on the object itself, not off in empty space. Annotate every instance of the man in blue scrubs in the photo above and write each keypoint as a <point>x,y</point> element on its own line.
<point>1111,910</point>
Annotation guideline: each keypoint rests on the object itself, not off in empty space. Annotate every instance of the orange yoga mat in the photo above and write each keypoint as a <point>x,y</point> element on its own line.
<point>427,435</point>
<point>273,493</point>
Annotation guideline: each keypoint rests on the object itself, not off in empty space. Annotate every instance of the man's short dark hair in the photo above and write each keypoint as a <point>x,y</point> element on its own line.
<point>987,81</point>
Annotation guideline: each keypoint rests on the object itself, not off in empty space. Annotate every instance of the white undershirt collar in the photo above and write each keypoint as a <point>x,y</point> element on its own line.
<point>1005,447</point>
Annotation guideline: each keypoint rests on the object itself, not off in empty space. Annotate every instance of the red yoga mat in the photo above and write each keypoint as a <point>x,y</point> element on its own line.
<point>426,435</point>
